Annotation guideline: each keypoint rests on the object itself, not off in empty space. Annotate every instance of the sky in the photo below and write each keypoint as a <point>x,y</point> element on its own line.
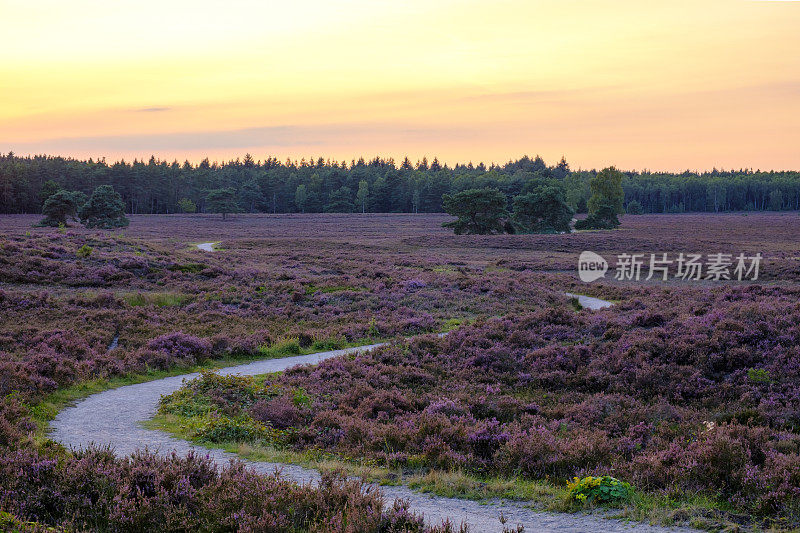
<point>640,84</point>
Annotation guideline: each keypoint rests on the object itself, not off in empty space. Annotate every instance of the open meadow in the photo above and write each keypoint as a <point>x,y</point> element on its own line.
<point>685,390</point>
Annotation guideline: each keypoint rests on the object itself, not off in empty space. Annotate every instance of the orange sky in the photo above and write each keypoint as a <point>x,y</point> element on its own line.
<point>639,84</point>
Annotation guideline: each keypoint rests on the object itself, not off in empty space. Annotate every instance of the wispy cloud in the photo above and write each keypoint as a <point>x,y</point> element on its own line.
<point>155,109</point>
<point>238,139</point>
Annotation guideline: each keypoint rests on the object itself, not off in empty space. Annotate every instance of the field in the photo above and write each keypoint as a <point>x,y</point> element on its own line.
<point>687,390</point>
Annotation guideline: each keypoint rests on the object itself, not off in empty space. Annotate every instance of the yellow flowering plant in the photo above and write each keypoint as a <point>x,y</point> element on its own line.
<point>599,489</point>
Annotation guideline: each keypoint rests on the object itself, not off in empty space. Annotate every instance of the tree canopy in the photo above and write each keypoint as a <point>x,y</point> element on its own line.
<point>270,185</point>
<point>606,201</point>
<point>542,210</point>
<point>479,211</point>
<point>60,205</point>
<point>104,209</point>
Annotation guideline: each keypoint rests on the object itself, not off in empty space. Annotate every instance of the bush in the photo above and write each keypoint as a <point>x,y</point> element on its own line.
<point>220,428</point>
<point>603,490</point>
<point>60,206</point>
<point>84,251</point>
<point>280,412</point>
<point>182,347</point>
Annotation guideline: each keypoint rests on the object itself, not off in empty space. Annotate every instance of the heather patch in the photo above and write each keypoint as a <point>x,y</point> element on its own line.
<point>677,390</point>
<point>676,395</point>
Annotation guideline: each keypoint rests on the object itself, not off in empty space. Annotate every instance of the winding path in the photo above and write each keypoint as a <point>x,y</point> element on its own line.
<point>590,302</point>
<point>114,418</point>
<point>207,246</point>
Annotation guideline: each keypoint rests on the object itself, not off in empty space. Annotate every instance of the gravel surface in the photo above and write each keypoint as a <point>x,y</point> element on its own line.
<point>206,246</point>
<point>114,418</point>
<point>590,302</point>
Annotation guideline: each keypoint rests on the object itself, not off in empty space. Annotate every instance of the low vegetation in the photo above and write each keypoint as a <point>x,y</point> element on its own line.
<point>673,396</point>
<point>684,390</point>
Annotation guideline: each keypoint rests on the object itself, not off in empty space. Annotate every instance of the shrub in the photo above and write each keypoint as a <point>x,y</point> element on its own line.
<point>604,490</point>
<point>280,412</point>
<point>282,348</point>
<point>85,251</point>
<point>220,428</point>
<point>182,347</point>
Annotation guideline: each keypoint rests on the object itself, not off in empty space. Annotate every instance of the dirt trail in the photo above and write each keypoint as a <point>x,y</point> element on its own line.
<point>115,417</point>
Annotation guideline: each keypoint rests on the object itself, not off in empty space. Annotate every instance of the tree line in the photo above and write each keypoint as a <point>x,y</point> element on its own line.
<point>377,185</point>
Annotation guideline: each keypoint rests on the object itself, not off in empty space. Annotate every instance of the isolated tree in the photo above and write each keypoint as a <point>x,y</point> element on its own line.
<point>542,210</point>
<point>187,206</point>
<point>606,190</point>
<point>606,200</point>
<point>104,209</point>
<point>301,197</point>
<point>60,205</point>
<point>362,194</point>
<point>479,211</point>
<point>222,201</point>
<point>49,188</point>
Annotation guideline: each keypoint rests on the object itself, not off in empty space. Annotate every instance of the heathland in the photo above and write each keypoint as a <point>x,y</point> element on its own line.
<point>687,390</point>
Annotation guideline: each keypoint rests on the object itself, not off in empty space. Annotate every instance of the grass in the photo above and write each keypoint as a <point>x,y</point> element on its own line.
<point>544,495</point>
<point>158,299</point>
<point>290,347</point>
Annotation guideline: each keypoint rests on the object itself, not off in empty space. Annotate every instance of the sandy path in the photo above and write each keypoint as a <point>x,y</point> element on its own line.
<point>114,418</point>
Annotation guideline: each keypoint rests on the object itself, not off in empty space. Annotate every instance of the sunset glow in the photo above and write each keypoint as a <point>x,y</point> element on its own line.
<point>659,85</point>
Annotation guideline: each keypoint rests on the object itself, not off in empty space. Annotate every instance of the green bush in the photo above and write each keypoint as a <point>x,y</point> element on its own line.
<point>220,428</point>
<point>602,489</point>
<point>85,251</point>
<point>324,345</point>
<point>184,402</point>
<point>104,209</point>
<point>758,375</point>
<point>281,349</point>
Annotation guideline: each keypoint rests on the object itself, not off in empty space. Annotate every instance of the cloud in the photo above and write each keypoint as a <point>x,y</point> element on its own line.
<point>152,109</point>
<point>265,136</point>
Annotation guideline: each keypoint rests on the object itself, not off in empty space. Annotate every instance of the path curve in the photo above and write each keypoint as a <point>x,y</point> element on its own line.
<point>207,246</point>
<point>590,302</point>
<point>114,418</point>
